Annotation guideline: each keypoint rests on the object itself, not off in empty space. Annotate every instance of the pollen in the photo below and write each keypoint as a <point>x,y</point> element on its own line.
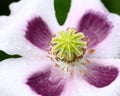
<point>91,51</point>
<point>69,45</point>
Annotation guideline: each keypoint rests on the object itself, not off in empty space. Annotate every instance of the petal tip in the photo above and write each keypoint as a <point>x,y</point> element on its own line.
<point>42,85</point>
<point>101,76</point>
<point>38,33</point>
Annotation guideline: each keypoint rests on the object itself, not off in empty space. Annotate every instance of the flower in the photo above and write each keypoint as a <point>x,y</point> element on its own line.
<point>28,32</point>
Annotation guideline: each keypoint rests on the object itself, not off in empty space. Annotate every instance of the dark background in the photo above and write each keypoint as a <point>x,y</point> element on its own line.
<point>112,5</point>
<point>4,6</point>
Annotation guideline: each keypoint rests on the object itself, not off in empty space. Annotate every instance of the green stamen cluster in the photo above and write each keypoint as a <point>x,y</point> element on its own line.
<point>69,45</point>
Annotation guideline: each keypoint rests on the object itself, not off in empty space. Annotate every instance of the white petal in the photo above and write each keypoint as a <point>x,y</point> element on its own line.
<point>13,27</point>
<point>80,7</point>
<point>110,47</point>
<point>81,88</point>
<point>14,74</point>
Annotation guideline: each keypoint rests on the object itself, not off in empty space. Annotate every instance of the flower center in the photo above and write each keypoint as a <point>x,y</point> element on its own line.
<point>69,45</point>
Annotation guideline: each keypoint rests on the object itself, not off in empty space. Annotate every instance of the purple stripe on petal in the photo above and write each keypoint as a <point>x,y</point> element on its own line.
<point>38,33</point>
<point>101,76</point>
<point>95,26</point>
<point>42,85</point>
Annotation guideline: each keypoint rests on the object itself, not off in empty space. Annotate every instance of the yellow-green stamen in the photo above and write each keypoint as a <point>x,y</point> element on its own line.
<point>69,45</point>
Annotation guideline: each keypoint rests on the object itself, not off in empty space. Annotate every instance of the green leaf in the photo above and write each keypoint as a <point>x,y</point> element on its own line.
<point>4,55</point>
<point>61,10</point>
<point>112,5</point>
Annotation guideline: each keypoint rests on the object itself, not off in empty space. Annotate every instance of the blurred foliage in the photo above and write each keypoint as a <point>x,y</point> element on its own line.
<point>61,9</point>
<point>112,5</point>
<point>4,56</point>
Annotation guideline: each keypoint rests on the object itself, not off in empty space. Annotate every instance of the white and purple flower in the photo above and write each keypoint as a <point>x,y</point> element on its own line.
<point>28,32</point>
